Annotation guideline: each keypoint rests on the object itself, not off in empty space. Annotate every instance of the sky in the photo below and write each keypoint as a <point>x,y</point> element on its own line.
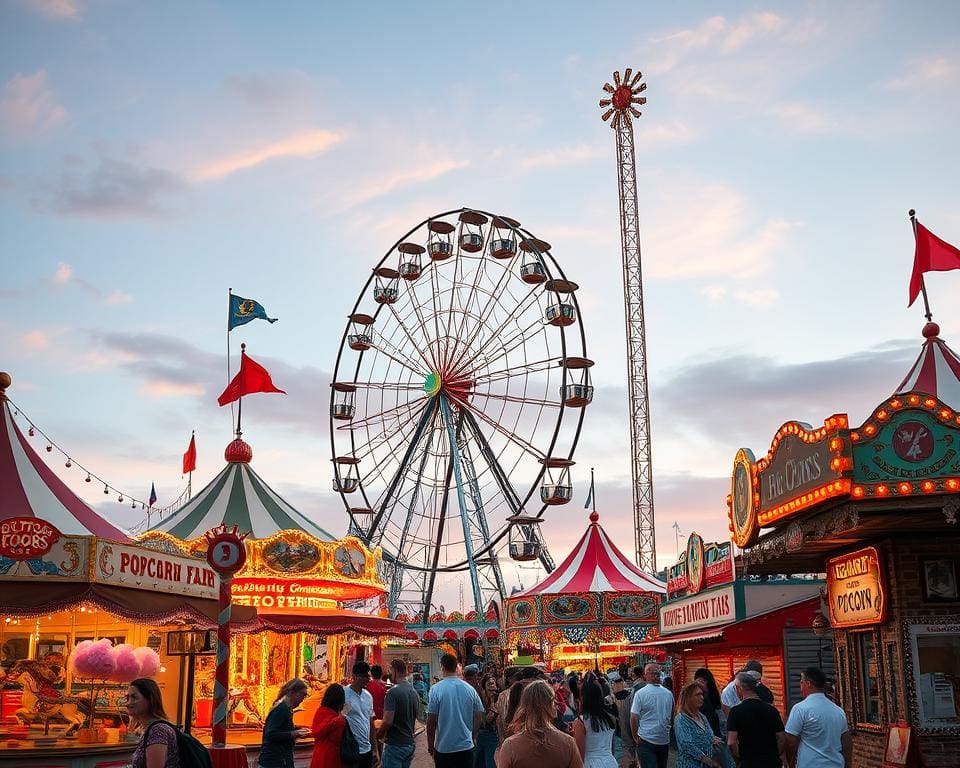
<point>152,156</point>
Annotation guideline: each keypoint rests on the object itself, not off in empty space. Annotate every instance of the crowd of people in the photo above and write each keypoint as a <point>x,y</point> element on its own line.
<point>524,718</point>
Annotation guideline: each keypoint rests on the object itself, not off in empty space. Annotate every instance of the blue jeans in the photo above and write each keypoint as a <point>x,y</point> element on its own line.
<point>397,755</point>
<point>486,749</point>
<point>652,755</point>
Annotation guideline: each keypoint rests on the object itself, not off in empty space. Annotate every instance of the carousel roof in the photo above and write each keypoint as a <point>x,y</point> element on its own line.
<point>596,565</point>
<point>936,372</point>
<point>238,496</point>
<point>29,488</point>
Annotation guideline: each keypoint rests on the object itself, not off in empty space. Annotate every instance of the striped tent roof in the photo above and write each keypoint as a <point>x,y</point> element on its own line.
<point>238,496</point>
<point>936,371</point>
<point>596,565</point>
<point>29,488</point>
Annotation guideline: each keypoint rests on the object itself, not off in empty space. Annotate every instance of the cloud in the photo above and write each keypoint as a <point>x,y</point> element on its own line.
<point>307,144</point>
<point>35,340</point>
<point>378,186</point>
<point>704,230</point>
<point>806,118</point>
<point>563,156</point>
<point>63,274</point>
<point>117,297</point>
<point>55,10</point>
<point>656,134</point>
<point>28,106</point>
<point>114,188</point>
<point>759,297</point>
<point>932,70</point>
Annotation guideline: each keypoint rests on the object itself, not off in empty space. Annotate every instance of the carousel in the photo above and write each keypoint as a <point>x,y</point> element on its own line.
<point>300,580</point>
<point>69,576</point>
<point>595,610</point>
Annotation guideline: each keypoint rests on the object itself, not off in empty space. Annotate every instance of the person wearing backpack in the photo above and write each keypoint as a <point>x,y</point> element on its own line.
<point>328,726</point>
<point>279,735</point>
<point>158,746</point>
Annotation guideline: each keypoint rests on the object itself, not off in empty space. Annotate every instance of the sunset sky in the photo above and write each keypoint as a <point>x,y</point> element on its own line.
<point>154,155</point>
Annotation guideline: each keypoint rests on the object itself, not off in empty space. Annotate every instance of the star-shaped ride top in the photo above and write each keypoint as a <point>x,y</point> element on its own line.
<point>624,93</point>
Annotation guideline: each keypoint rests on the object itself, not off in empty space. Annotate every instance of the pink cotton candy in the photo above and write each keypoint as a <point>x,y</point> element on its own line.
<point>149,661</point>
<point>95,661</point>
<point>127,663</point>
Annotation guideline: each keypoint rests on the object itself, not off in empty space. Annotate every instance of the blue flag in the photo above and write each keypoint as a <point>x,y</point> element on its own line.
<point>153,495</point>
<point>243,310</point>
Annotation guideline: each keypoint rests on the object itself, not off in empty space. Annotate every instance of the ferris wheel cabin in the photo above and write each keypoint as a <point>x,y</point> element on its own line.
<point>440,244</point>
<point>524,544</point>
<point>347,476</point>
<point>361,339</point>
<point>563,312</point>
<point>343,407</point>
<point>410,263</point>
<point>577,393</point>
<point>386,289</point>
<point>532,269</point>
<point>556,488</point>
<point>503,244</point>
<point>471,231</point>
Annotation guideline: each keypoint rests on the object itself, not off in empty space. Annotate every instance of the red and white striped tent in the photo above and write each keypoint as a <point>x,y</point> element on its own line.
<point>595,595</point>
<point>29,488</point>
<point>936,371</point>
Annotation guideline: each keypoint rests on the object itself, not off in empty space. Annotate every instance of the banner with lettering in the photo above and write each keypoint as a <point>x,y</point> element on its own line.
<point>707,609</point>
<point>140,568</point>
<point>855,589</point>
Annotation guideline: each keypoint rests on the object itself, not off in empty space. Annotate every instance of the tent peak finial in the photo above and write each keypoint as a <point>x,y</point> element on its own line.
<point>931,330</point>
<point>238,452</point>
<point>594,517</point>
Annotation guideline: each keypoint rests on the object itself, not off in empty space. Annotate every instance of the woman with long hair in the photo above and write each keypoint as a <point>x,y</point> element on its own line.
<point>327,730</point>
<point>488,739</point>
<point>513,704</point>
<point>158,742</point>
<point>536,743</point>
<point>279,735</point>
<point>695,739</point>
<point>593,729</point>
<point>713,710</point>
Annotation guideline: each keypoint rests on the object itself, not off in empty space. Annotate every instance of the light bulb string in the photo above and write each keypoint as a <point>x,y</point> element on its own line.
<point>17,411</point>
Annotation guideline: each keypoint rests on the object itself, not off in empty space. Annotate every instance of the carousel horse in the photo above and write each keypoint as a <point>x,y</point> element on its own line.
<point>41,701</point>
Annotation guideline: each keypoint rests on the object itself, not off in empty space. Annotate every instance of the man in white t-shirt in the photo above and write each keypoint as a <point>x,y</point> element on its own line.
<point>650,717</point>
<point>817,733</point>
<point>453,717</point>
<point>360,714</point>
<point>729,698</point>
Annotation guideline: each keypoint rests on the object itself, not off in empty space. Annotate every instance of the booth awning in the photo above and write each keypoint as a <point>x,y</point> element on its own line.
<point>145,607</point>
<point>329,623</point>
<point>689,637</point>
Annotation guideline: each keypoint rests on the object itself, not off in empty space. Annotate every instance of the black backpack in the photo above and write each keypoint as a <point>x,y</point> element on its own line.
<point>349,748</point>
<point>192,753</point>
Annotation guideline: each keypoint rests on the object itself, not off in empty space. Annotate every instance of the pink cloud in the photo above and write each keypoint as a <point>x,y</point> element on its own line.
<point>28,106</point>
<point>306,144</point>
<point>55,10</point>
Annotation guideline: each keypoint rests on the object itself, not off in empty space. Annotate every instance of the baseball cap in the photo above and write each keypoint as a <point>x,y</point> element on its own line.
<point>614,677</point>
<point>470,670</point>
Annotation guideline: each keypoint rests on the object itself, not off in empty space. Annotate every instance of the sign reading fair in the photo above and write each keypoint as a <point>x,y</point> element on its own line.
<point>146,569</point>
<point>855,589</point>
<point>709,609</point>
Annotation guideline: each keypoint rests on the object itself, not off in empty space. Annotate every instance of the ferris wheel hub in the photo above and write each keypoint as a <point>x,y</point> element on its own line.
<point>433,384</point>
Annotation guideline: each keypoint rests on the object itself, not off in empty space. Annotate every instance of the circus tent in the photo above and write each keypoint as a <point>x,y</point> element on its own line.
<point>596,596</point>
<point>936,371</point>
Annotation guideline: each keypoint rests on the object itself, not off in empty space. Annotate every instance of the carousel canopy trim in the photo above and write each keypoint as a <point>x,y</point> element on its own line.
<point>936,371</point>
<point>331,623</point>
<point>238,496</point>
<point>29,488</point>
<point>595,565</point>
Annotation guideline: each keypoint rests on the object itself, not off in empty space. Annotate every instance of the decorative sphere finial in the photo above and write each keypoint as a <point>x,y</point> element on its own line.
<point>931,330</point>
<point>5,381</point>
<point>594,517</point>
<point>238,452</point>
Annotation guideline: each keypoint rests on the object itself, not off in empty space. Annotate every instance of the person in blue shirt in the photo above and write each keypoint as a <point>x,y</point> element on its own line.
<point>453,718</point>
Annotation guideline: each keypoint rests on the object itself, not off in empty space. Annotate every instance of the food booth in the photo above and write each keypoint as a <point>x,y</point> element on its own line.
<point>874,506</point>
<point>596,609</point>
<point>713,619</point>
<point>297,576</point>
<point>69,575</point>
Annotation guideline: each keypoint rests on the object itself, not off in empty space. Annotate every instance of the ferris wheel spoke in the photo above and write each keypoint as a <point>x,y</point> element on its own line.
<point>496,470</point>
<point>376,442</point>
<point>518,441</point>
<point>382,415</point>
<point>425,347</point>
<point>415,496</point>
<point>521,370</point>
<point>388,385</point>
<point>518,399</point>
<point>419,346</point>
<point>398,357</point>
<point>438,538</point>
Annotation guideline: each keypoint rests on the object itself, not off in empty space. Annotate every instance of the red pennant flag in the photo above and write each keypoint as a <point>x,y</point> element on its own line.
<point>251,378</point>
<point>190,457</point>
<point>932,255</point>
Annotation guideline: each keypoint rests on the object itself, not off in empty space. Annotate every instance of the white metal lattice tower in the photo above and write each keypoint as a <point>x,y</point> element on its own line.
<point>620,104</point>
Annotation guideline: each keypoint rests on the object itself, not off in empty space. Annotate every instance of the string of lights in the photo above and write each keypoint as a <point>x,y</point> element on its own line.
<point>108,488</point>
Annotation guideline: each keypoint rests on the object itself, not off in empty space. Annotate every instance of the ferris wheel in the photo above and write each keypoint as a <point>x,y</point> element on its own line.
<point>456,404</point>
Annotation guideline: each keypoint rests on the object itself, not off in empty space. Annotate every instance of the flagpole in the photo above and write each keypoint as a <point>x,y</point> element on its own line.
<point>229,305</point>
<point>923,284</point>
<point>243,348</point>
<point>593,491</point>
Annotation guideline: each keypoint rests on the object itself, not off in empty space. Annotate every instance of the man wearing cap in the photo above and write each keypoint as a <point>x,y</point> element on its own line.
<point>729,697</point>
<point>754,728</point>
<point>817,732</point>
<point>471,673</point>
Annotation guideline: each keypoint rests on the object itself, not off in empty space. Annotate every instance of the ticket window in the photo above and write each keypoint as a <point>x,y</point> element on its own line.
<point>867,686</point>
<point>936,669</point>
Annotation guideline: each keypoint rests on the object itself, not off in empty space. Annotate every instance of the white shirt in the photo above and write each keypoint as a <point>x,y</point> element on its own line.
<point>653,704</point>
<point>359,716</point>
<point>728,695</point>
<point>819,724</point>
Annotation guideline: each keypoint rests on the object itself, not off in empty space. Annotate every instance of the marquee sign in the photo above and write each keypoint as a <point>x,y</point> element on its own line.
<point>26,538</point>
<point>139,568</point>
<point>701,566</point>
<point>855,589</point>
<point>709,609</point>
<point>273,595</point>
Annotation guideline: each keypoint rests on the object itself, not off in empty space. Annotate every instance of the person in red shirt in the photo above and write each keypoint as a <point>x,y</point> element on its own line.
<point>327,730</point>
<point>377,690</point>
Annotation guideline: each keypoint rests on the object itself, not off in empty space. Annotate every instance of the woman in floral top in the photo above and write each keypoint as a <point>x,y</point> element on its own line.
<point>158,744</point>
